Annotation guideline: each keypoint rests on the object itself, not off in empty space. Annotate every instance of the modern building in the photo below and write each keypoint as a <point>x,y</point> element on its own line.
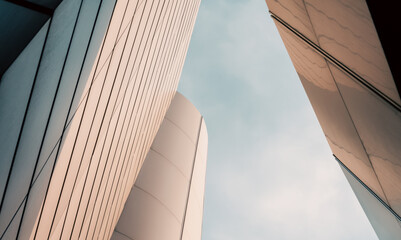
<point>84,88</point>
<point>347,58</point>
<point>166,201</point>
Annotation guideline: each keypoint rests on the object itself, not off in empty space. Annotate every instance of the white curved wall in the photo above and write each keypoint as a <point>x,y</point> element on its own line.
<point>166,201</point>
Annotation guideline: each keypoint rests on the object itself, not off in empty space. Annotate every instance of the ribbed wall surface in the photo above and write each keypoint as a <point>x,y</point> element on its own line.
<point>79,109</point>
<point>166,201</point>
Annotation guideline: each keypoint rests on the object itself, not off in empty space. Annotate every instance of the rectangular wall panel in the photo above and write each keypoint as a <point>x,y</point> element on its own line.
<point>330,109</point>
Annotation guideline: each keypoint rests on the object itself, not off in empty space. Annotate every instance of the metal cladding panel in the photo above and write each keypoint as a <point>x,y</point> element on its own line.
<point>38,111</point>
<point>16,85</point>
<point>294,12</point>
<point>181,157</point>
<point>166,201</point>
<point>194,214</point>
<point>383,221</point>
<point>46,109</point>
<point>94,99</point>
<point>379,127</point>
<point>353,93</point>
<point>346,31</point>
<point>330,109</point>
<point>188,125</point>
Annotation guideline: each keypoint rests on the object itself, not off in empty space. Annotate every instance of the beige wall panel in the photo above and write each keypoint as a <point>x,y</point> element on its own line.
<point>159,187</point>
<point>167,199</point>
<point>295,14</point>
<point>169,131</point>
<point>379,126</point>
<point>346,31</point>
<point>152,219</point>
<point>193,220</point>
<point>194,214</point>
<point>187,124</point>
<point>330,110</point>
<point>198,179</point>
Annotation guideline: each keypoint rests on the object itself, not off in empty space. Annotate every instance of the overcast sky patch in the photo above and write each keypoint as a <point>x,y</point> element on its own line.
<point>270,174</point>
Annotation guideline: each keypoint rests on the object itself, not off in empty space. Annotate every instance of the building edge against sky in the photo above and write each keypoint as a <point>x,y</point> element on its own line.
<point>82,96</point>
<point>166,201</point>
<point>344,56</point>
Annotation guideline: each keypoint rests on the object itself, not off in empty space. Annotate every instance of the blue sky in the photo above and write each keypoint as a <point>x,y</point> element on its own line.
<point>270,172</point>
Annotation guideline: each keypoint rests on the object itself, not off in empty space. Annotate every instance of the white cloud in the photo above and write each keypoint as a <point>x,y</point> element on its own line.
<point>270,172</point>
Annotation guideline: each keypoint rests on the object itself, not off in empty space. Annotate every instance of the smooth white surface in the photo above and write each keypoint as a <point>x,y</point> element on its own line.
<point>167,198</point>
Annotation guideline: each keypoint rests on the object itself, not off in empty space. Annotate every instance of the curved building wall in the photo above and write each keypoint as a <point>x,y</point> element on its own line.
<point>166,201</point>
<point>79,109</point>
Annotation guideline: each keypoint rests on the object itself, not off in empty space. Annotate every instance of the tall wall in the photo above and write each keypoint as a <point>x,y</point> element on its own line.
<point>79,108</point>
<point>339,57</point>
<point>166,201</point>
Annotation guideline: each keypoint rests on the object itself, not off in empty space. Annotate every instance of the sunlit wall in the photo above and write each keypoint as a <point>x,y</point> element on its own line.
<point>166,201</point>
<point>340,59</point>
<point>80,106</point>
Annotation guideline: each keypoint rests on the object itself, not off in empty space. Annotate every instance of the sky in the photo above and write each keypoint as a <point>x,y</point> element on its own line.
<point>270,173</point>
